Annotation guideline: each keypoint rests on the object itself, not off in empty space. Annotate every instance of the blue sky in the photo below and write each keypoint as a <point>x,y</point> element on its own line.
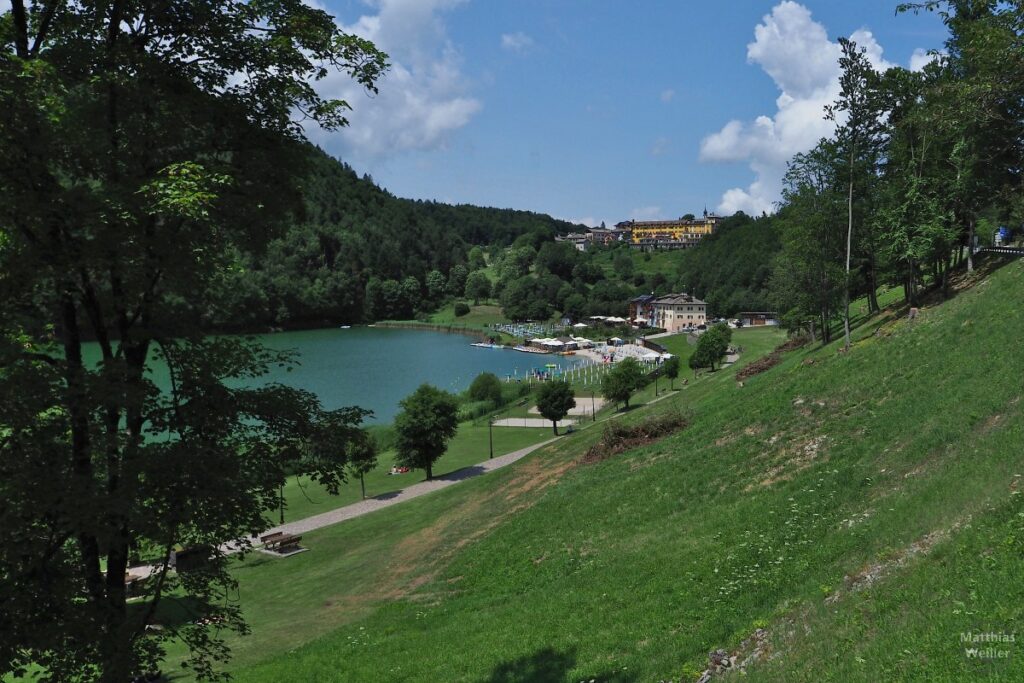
<point>596,111</point>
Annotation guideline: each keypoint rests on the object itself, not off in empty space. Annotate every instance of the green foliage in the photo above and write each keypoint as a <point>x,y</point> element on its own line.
<point>525,299</point>
<point>139,175</point>
<point>457,280</point>
<point>461,308</point>
<point>435,283</point>
<point>554,399</point>
<point>623,265</point>
<point>620,383</point>
<point>557,258</point>
<point>731,268</point>
<point>486,387</point>
<point>475,259</point>
<point>711,347</point>
<point>670,368</point>
<point>478,286</point>
<point>428,420</point>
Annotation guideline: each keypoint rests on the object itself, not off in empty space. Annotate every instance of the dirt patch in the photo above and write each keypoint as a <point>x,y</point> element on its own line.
<point>794,461</point>
<point>753,649</point>
<point>792,344</point>
<point>618,437</point>
<point>758,366</point>
<point>871,573</point>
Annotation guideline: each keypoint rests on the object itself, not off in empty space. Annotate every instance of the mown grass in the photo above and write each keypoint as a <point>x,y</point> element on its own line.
<point>470,445</point>
<point>896,460</point>
<point>665,262</point>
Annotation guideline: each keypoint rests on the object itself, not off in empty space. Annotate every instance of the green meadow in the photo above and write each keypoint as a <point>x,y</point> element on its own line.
<point>862,508</point>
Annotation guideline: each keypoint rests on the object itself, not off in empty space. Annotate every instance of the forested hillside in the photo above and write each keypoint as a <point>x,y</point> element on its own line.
<point>353,233</point>
<point>731,269</point>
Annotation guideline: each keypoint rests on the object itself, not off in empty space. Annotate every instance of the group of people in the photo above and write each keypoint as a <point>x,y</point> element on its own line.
<point>399,470</point>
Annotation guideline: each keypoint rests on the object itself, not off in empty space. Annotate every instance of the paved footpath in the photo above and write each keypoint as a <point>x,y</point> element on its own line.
<point>346,512</point>
<point>384,500</point>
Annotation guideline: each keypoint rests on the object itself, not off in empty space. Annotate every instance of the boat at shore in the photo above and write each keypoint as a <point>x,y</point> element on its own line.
<point>530,349</point>
<point>487,345</point>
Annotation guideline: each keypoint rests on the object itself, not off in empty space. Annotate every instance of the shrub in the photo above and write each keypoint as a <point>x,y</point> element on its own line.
<point>619,437</point>
<point>486,387</point>
<point>461,309</point>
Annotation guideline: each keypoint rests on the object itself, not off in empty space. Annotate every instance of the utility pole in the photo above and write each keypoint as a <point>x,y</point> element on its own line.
<point>490,436</point>
<point>593,410</point>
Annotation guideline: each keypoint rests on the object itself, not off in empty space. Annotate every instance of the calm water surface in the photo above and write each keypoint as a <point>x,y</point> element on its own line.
<point>376,367</point>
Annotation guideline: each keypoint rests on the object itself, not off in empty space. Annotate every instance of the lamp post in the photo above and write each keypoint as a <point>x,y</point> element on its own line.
<point>281,501</point>
<point>490,436</point>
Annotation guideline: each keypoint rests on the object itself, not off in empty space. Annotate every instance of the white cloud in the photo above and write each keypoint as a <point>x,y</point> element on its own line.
<point>588,221</point>
<point>516,42</point>
<point>667,94</point>
<point>795,51</point>
<point>660,146</point>
<point>422,99</point>
<point>921,58</point>
<point>645,213</point>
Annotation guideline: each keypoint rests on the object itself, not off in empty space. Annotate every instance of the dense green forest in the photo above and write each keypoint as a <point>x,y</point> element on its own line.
<point>351,237</point>
<point>356,253</point>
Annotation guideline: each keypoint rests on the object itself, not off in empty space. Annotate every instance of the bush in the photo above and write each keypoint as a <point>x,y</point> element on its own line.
<point>461,309</point>
<point>486,387</point>
<point>619,437</point>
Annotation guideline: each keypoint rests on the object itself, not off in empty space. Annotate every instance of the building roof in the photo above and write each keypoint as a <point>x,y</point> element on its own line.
<point>675,299</point>
<point>642,299</point>
<point>707,218</point>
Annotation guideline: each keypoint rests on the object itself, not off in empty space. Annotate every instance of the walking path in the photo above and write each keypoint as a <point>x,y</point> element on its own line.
<point>384,500</point>
<point>530,422</point>
<point>584,406</point>
<point>346,512</point>
<point>364,507</point>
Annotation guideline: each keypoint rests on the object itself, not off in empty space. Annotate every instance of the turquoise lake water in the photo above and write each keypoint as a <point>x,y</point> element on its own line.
<point>375,367</point>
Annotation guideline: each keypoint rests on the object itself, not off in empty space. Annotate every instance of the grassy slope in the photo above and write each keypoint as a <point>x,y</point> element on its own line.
<point>897,460</point>
<point>470,446</point>
<point>665,262</point>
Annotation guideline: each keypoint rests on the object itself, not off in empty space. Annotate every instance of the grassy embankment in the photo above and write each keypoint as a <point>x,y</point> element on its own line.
<point>861,507</point>
<point>470,446</point>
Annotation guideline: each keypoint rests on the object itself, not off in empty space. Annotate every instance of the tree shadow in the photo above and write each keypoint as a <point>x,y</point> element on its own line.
<point>543,665</point>
<point>547,665</point>
<point>463,473</point>
<point>387,496</point>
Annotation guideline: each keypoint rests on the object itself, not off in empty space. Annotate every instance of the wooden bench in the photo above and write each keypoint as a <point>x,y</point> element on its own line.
<point>280,542</point>
<point>289,543</point>
<point>270,540</point>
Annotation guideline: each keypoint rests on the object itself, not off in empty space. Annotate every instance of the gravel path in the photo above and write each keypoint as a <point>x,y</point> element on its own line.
<point>384,500</point>
<point>583,406</point>
<point>529,422</point>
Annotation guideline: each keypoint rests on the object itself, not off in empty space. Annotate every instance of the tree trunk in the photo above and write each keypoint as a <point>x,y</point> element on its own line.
<point>873,306</point>
<point>430,472</point>
<point>970,246</point>
<point>362,485</point>
<point>554,426</point>
<point>849,245</point>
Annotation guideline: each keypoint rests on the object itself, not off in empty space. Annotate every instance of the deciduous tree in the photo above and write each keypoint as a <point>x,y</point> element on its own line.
<point>427,422</point>
<point>144,145</point>
<point>554,400</point>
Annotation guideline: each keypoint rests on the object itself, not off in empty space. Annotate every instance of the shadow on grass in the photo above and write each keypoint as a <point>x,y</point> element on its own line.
<point>547,664</point>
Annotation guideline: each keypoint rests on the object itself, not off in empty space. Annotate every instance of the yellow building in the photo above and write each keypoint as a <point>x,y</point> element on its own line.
<point>677,234</point>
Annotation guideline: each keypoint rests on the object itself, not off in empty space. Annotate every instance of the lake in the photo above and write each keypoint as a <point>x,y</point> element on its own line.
<point>376,367</point>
